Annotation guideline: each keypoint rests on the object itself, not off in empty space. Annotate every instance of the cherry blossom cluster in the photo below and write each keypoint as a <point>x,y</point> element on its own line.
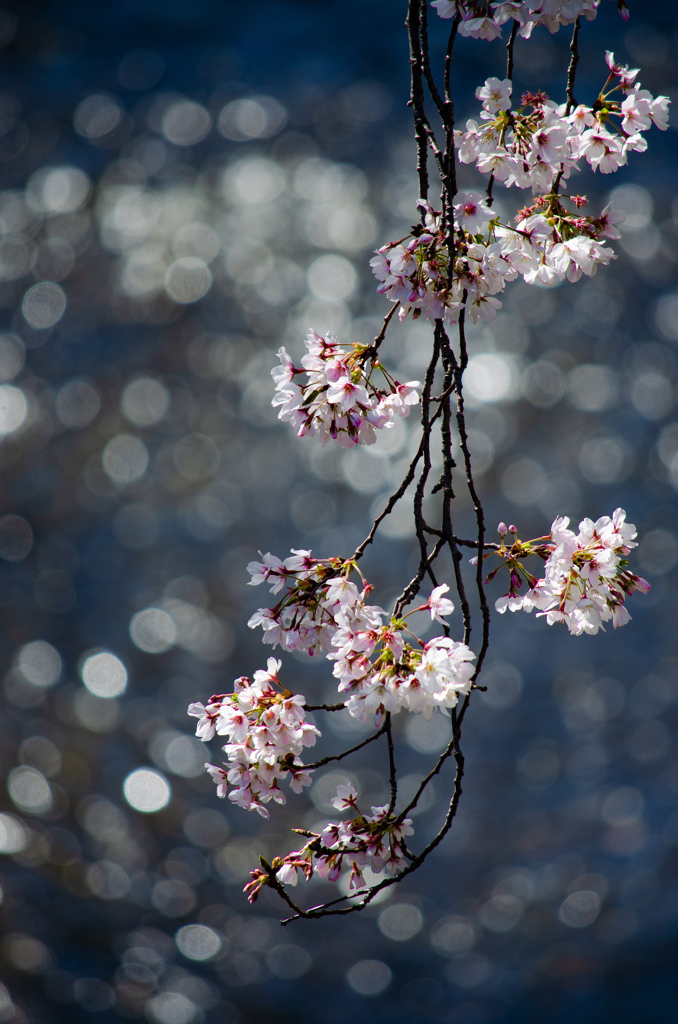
<point>535,146</point>
<point>544,246</point>
<point>585,581</point>
<point>304,619</point>
<point>530,146</point>
<point>382,673</point>
<point>321,609</point>
<point>373,841</point>
<point>457,258</point>
<point>267,730</point>
<point>483,20</point>
<point>374,665</point>
<point>336,398</point>
<point>415,271</point>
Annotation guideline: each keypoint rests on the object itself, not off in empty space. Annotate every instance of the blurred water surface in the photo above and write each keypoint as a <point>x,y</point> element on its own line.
<point>183,188</point>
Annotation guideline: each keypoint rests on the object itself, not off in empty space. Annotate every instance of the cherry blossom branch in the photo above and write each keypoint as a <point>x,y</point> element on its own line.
<point>371,351</point>
<point>369,894</point>
<point>453,375</point>
<point>449,749</point>
<point>452,266</point>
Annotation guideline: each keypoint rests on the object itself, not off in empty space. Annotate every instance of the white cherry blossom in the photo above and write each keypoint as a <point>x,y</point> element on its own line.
<point>337,399</point>
<point>586,582</point>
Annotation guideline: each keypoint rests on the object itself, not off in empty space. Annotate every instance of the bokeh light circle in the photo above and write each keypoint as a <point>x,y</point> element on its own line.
<point>187,280</point>
<point>258,117</point>
<point>29,789</point>
<point>54,190</point>
<point>400,922</point>
<point>331,278</point>
<point>43,305</point>
<point>185,123</point>
<point>146,790</point>
<point>125,459</point>
<point>153,630</point>
<point>369,977</point>
<point>96,116</point>
<point>40,663</point>
<point>104,674</point>
<point>580,909</point>
<point>13,408</point>
<point>16,538</point>
<point>12,834</point>
<point>145,401</point>
<point>77,404</point>
<point>197,942</point>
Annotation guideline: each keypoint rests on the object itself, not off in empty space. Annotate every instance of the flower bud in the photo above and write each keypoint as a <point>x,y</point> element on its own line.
<point>502,529</point>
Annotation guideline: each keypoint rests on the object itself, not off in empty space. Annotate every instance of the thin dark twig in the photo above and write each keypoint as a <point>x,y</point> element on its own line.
<point>470,483</point>
<point>448,56</point>
<point>412,23</point>
<point>424,134</point>
<point>421,452</point>
<point>509,50</point>
<point>426,62</point>
<point>572,69</point>
<point>369,894</point>
<point>475,544</point>
<point>453,372</point>
<point>372,350</point>
<point>391,764</point>
<point>434,147</point>
<point>345,753</point>
<point>412,588</point>
<point>391,503</point>
<point>281,890</point>
<point>509,74</point>
<point>419,523</point>
<point>569,92</point>
<point>448,178</point>
<point>424,782</point>
<point>324,707</point>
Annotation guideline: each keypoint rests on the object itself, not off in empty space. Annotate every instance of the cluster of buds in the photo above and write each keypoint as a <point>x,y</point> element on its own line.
<point>267,730</point>
<point>337,399</point>
<point>481,19</point>
<point>374,841</point>
<point>585,581</point>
